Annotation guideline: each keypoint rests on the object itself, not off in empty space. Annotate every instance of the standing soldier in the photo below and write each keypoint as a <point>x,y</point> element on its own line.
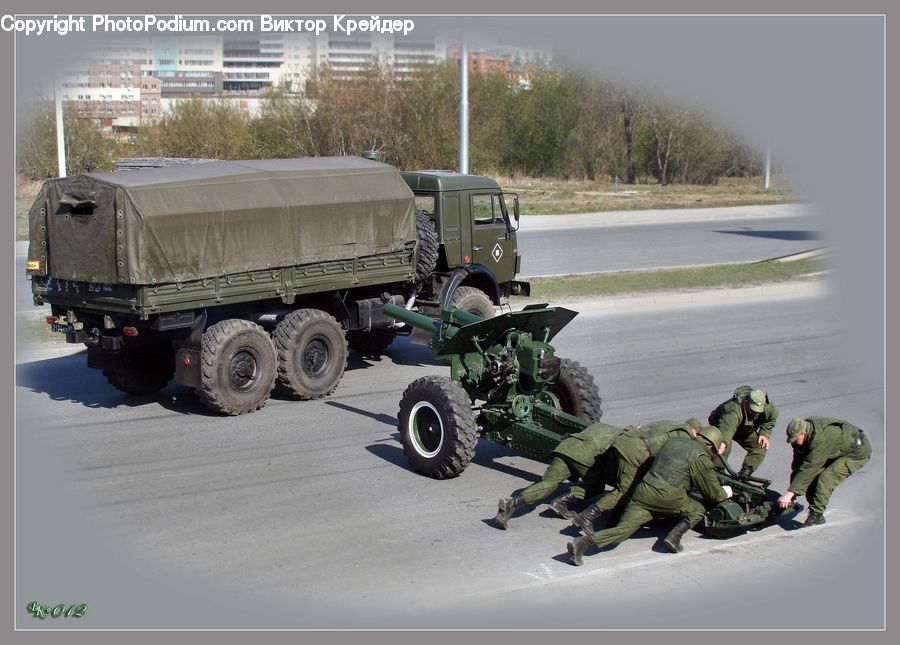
<point>683,463</point>
<point>577,456</point>
<point>630,457</point>
<point>826,452</point>
<point>748,418</point>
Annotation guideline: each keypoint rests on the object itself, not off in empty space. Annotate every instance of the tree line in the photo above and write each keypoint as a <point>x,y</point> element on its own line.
<point>558,124</point>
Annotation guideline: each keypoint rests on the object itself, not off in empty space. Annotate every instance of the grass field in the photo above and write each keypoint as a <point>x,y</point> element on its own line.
<point>559,197</point>
<point>580,287</point>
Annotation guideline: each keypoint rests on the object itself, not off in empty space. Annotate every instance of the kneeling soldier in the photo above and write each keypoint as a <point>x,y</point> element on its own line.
<point>747,418</point>
<point>826,452</point>
<point>630,457</point>
<point>579,455</point>
<point>682,463</point>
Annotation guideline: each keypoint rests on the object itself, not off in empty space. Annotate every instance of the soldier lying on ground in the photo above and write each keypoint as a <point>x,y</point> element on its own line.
<point>747,418</point>
<point>826,452</point>
<point>580,456</point>
<point>682,463</point>
<point>628,460</point>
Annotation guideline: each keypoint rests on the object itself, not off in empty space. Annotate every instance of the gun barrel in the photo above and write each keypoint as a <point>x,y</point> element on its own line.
<point>459,317</point>
<point>415,319</point>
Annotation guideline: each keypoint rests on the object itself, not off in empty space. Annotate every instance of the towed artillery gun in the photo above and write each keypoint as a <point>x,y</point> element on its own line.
<point>508,386</point>
<point>529,398</point>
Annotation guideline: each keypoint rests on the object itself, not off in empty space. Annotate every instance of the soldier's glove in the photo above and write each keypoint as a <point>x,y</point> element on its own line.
<point>728,491</point>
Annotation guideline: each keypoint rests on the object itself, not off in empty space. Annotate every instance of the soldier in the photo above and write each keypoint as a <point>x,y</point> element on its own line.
<point>577,456</point>
<point>682,463</point>
<point>628,460</point>
<point>748,418</point>
<point>826,452</point>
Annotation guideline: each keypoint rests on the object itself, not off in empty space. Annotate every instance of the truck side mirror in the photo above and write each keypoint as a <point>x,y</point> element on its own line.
<point>516,207</point>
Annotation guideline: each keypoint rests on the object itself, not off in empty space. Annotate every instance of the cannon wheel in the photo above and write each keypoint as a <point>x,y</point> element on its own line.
<point>142,370</point>
<point>474,301</point>
<point>237,367</point>
<point>312,353</point>
<point>370,342</point>
<point>577,392</point>
<point>437,427</point>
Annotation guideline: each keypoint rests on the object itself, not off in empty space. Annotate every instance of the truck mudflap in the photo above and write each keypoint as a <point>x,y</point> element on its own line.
<point>487,283</point>
<point>187,357</point>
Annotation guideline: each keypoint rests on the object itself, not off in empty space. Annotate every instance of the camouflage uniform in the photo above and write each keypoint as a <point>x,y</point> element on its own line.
<point>630,458</point>
<point>833,450</point>
<point>577,456</point>
<point>682,463</point>
<point>737,423</point>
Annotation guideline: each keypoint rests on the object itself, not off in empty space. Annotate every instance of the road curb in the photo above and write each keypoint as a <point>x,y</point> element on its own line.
<point>663,216</point>
<point>813,287</point>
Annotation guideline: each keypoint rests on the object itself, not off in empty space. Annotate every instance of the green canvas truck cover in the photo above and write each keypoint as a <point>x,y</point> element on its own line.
<point>189,222</point>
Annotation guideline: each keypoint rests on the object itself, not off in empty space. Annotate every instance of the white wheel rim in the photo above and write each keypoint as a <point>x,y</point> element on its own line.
<point>415,435</point>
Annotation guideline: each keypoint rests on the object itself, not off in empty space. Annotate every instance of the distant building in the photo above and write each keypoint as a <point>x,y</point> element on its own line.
<point>189,66</point>
<point>351,55</point>
<point>131,81</point>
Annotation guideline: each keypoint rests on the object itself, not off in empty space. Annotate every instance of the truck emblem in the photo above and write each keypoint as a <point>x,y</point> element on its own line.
<point>497,252</point>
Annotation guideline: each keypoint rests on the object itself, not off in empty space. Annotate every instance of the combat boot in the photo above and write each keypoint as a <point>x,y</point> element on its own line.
<point>560,505</point>
<point>673,539</point>
<point>814,519</point>
<point>744,473</point>
<point>585,519</point>
<point>506,507</point>
<point>578,546</point>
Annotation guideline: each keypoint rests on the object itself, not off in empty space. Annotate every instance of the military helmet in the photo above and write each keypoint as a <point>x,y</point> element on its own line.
<point>796,427</point>
<point>756,400</point>
<point>712,435</point>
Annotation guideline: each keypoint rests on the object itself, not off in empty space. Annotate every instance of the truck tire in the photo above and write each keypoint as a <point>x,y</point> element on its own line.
<point>474,301</point>
<point>427,251</point>
<point>312,353</point>
<point>577,392</point>
<point>370,342</point>
<point>437,427</point>
<point>237,367</point>
<point>142,370</point>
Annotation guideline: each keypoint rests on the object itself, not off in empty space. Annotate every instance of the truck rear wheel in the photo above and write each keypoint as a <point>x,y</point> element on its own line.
<point>370,342</point>
<point>237,367</point>
<point>427,251</point>
<point>142,370</point>
<point>437,427</point>
<point>474,301</point>
<point>312,353</point>
<point>577,392</point>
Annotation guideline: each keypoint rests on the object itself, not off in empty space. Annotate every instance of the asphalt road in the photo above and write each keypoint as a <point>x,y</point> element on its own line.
<point>305,514</point>
<point>661,245</point>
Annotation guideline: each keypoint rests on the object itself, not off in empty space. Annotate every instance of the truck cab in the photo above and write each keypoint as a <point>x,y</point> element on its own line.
<point>476,224</point>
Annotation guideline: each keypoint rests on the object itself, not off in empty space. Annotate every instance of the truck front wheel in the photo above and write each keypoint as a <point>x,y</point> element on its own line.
<point>142,370</point>
<point>474,301</point>
<point>437,427</point>
<point>312,353</point>
<point>237,367</point>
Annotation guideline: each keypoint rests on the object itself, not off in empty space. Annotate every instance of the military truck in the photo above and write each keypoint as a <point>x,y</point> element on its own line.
<point>234,275</point>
